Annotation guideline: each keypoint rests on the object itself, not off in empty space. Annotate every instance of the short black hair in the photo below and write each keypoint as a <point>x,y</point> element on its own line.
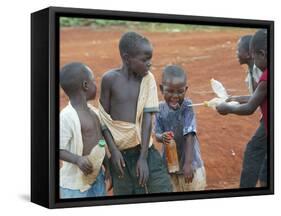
<point>259,41</point>
<point>130,41</point>
<point>172,71</point>
<point>72,76</point>
<point>245,42</point>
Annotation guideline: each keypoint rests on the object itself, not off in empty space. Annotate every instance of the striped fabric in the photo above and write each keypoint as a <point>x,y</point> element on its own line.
<point>125,134</point>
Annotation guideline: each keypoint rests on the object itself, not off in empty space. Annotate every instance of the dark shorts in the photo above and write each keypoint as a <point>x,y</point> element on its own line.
<point>158,181</point>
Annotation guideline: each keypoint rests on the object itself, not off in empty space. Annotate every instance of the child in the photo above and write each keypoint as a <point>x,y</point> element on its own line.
<point>254,160</point>
<point>176,115</point>
<point>253,73</point>
<point>80,132</point>
<point>127,103</point>
<point>258,49</point>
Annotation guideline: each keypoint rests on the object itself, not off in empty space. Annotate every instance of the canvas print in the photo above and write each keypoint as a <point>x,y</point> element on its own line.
<point>151,108</point>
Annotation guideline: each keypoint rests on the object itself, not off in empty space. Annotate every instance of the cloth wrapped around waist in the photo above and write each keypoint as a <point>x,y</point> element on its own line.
<point>125,134</point>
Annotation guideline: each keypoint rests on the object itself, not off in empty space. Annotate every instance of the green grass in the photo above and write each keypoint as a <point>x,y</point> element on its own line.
<point>75,22</point>
<point>145,26</point>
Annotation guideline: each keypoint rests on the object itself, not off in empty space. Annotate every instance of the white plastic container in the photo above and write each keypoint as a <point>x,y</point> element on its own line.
<point>214,102</point>
<point>219,89</point>
<point>96,158</point>
<point>217,101</point>
<point>221,92</point>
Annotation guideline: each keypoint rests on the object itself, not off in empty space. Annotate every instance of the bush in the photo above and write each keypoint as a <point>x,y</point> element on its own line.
<point>69,22</point>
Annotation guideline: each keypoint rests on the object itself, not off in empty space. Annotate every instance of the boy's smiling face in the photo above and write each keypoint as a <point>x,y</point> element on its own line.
<point>174,89</point>
<point>140,63</point>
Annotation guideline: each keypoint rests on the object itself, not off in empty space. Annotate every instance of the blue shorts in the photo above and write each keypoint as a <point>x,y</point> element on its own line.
<point>97,189</point>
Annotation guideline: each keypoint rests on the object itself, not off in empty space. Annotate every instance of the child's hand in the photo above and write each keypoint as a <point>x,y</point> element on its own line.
<point>167,136</point>
<point>230,98</point>
<point>85,165</point>
<point>235,99</point>
<point>188,173</point>
<point>223,108</point>
<point>118,162</point>
<point>142,171</point>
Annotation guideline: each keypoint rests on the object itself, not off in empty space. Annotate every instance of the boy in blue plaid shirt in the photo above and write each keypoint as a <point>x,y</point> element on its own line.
<point>176,115</point>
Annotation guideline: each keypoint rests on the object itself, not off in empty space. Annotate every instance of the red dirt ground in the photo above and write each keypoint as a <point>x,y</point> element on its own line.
<point>204,55</point>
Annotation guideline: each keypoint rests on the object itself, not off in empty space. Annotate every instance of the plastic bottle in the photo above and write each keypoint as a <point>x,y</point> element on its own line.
<point>213,103</point>
<point>218,89</point>
<point>217,101</point>
<point>96,158</point>
<point>172,155</point>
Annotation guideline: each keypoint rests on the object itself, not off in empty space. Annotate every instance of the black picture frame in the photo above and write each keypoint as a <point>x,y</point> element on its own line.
<point>45,105</point>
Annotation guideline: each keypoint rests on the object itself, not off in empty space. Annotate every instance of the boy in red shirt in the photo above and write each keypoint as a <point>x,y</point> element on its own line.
<point>259,97</point>
<point>258,48</point>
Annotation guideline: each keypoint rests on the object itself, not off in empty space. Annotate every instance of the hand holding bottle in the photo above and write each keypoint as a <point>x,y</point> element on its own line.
<point>171,152</point>
<point>167,137</point>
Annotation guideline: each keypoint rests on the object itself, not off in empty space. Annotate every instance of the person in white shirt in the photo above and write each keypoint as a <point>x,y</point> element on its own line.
<point>80,132</point>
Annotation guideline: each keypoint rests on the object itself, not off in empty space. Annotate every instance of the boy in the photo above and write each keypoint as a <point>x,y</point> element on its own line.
<point>176,115</point>
<point>258,49</point>
<point>80,132</point>
<point>254,160</point>
<point>253,72</point>
<point>244,57</point>
<point>127,103</point>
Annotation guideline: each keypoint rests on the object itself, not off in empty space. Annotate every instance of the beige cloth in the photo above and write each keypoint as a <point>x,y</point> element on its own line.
<point>96,158</point>
<point>125,134</point>
<point>71,140</point>
<point>198,183</point>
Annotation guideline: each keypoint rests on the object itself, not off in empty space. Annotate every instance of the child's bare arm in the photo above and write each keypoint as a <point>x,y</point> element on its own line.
<point>240,99</point>
<point>248,108</point>
<point>105,95</point>
<point>145,133</point>
<point>81,161</point>
<point>159,137</point>
<point>142,167</point>
<point>188,152</point>
<point>116,156</point>
<point>255,101</point>
<point>164,138</point>
<point>243,98</point>
<point>105,102</point>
